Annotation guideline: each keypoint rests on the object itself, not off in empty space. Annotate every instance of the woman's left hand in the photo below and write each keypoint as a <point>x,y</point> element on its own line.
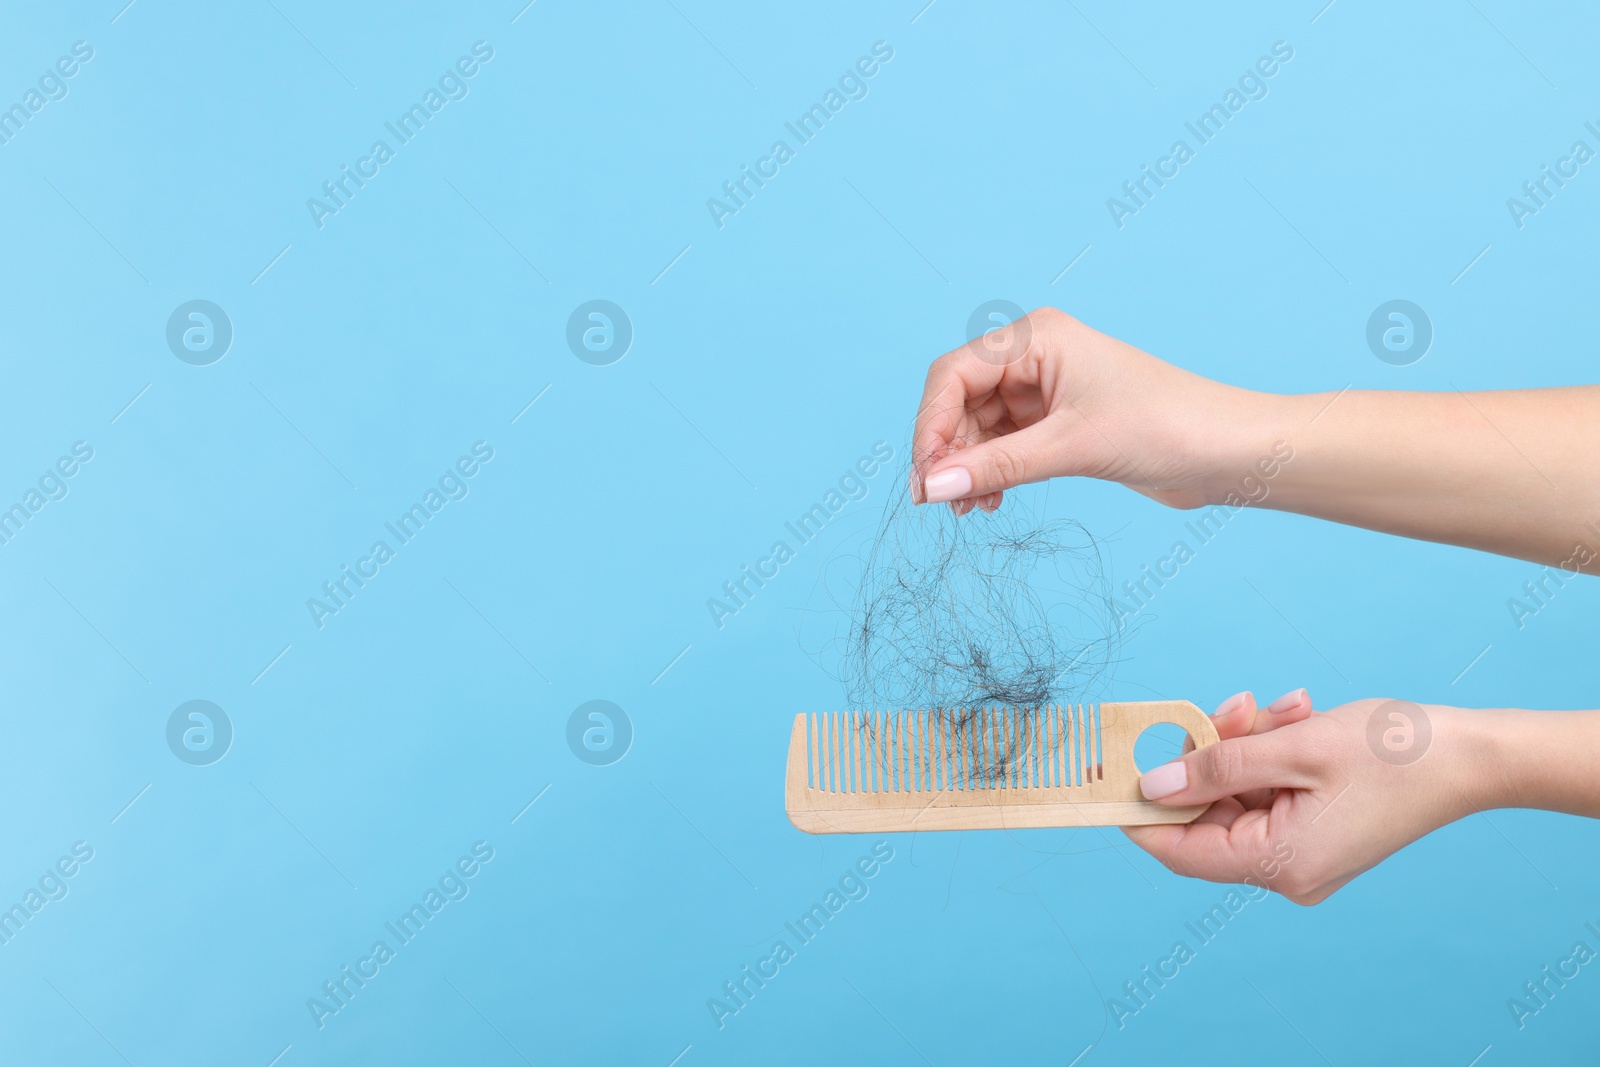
<point>1302,802</point>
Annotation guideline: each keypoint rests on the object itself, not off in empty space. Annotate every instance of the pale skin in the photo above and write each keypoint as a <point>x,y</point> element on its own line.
<point>1512,472</point>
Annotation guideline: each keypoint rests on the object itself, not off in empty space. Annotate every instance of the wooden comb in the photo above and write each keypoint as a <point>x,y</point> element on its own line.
<point>979,769</point>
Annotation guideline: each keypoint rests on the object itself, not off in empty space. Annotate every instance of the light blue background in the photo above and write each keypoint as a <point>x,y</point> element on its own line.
<point>771,355</point>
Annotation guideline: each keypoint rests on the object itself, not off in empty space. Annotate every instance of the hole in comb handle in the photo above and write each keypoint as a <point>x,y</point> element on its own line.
<point>1158,743</point>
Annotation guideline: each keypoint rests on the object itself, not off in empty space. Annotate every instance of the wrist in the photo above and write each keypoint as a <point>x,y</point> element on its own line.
<point>1476,757</point>
<point>1536,759</point>
<point>1243,450</point>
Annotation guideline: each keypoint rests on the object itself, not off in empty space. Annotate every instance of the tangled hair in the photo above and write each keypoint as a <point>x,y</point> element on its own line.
<point>957,614</point>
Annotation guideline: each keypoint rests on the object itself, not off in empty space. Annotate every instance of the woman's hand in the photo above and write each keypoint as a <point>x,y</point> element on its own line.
<point>1507,472</point>
<point>1047,397</point>
<point>1301,803</point>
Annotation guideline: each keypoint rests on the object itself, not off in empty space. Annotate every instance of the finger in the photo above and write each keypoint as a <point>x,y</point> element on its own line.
<point>940,431</point>
<point>1229,768</point>
<point>1289,708</point>
<point>1230,719</point>
<point>989,502</point>
<point>956,381</point>
<point>998,463</point>
<point>991,416</point>
<point>1239,716</point>
<point>1292,707</point>
<point>1234,716</point>
<point>1207,849</point>
<point>1224,812</point>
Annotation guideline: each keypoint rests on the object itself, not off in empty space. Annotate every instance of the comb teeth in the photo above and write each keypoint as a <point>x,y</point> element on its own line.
<point>1057,746</point>
<point>979,768</point>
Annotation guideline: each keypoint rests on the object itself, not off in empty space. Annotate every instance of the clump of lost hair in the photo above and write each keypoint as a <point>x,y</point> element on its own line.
<point>957,614</point>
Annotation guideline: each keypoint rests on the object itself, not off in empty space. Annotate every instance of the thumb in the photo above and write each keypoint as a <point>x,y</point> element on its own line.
<point>999,463</point>
<point>1261,761</point>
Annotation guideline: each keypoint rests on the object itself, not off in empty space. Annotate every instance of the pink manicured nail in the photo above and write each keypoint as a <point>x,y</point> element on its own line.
<point>952,483</point>
<point>1165,780</point>
<point>1287,701</point>
<point>1233,703</point>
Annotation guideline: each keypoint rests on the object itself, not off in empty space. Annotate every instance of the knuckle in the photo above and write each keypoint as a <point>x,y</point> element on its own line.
<point>1051,316</point>
<point>1175,862</point>
<point>1008,467</point>
<point>946,372</point>
<point>940,369</point>
<point>1306,898</point>
<point>1177,867</point>
<point>1300,886</point>
<point>1221,766</point>
<point>1290,884</point>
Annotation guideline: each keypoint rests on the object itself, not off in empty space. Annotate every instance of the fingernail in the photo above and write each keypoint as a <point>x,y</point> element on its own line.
<point>916,488</point>
<point>1287,701</point>
<point>1233,703</point>
<point>952,483</point>
<point>1165,780</point>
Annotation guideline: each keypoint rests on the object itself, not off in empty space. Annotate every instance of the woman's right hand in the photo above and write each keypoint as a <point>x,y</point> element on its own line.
<point>1046,397</point>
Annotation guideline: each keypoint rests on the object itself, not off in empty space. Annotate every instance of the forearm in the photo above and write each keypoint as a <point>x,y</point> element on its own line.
<point>1516,473</point>
<point>1509,758</point>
